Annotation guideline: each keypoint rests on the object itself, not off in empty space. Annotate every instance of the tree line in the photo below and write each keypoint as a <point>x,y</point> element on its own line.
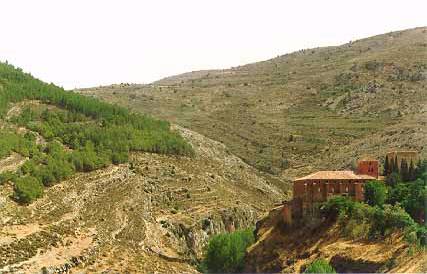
<point>406,171</point>
<point>83,133</point>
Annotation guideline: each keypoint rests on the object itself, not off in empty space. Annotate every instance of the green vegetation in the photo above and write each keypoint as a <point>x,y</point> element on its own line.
<point>10,141</point>
<point>83,134</point>
<point>412,196</point>
<point>320,266</point>
<point>363,221</point>
<point>398,206</point>
<point>375,193</point>
<point>225,253</point>
<point>405,172</point>
<point>7,176</point>
<point>27,189</point>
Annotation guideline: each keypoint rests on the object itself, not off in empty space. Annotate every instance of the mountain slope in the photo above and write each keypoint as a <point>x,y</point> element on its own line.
<point>312,109</point>
<point>276,249</point>
<point>153,214</point>
<point>88,186</point>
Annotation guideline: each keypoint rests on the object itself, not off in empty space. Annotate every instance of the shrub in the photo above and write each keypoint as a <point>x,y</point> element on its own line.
<point>27,189</point>
<point>337,205</point>
<point>360,220</point>
<point>416,234</point>
<point>412,196</point>
<point>393,179</point>
<point>225,252</point>
<point>390,218</point>
<point>375,193</point>
<point>320,266</point>
<point>7,176</point>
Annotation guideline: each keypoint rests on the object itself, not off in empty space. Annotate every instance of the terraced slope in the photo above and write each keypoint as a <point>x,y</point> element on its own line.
<point>88,186</point>
<point>318,108</point>
<point>153,214</point>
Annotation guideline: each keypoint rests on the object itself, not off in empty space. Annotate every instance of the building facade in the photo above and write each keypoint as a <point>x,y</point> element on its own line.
<point>318,187</point>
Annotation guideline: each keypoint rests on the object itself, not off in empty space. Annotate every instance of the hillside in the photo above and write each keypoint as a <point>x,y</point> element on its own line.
<point>88,186</point>
<point>110,185</point>
<point>277,251</point>
<point>308,110</point>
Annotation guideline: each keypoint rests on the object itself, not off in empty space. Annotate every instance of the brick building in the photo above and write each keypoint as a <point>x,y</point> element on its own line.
<point>318,187</point>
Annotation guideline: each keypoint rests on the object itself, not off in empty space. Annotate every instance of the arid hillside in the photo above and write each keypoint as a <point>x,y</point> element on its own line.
<point>312,109</point>
<point>153,214</point>
<point>88,186</point>
<point>277,249</point>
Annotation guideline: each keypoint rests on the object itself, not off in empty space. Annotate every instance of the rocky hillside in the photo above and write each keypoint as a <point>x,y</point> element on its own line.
<point>153,214</point>
<point>88,186</point>
<point>277,250</point>
<point>303,111</point>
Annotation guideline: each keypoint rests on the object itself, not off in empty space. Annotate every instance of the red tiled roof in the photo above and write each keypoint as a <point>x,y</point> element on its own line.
<point>335,175</point>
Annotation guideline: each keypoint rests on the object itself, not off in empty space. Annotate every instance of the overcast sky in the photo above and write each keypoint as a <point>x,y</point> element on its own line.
<point>84,43</point>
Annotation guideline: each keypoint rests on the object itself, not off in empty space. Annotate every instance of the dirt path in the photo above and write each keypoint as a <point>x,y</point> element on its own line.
<point>12,163</point>
<point>13,233</point>
<point>55,256</point>
<point>14,111</point>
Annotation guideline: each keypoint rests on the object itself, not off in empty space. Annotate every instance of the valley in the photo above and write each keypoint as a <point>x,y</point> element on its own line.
<point>138,178</point>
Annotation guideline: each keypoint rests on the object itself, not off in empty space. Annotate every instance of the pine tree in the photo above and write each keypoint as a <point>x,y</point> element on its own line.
<point>404,170</point>
<point>386,167</point>
<point>418,169</point>
<point>396,165</point>
<point>411,171</point>
<point>392,167</point>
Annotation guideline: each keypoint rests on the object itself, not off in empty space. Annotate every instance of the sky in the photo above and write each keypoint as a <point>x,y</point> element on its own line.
<point>86,43</point>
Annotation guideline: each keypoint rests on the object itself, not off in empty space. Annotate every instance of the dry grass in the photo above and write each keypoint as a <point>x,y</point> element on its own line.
<point>343,102</point>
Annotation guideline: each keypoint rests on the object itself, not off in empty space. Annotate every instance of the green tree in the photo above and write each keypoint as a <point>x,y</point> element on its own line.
<point>320,266</point>
<point>393,179</point>
<point>411,171</point>
<point>404,170</point>
<point>337,205</point>
<point>225,253</point>
<point>7,176</point>
<point>421,168</point>
<point>27,189</point>
<point>386,166</point>
<point>375,193</point>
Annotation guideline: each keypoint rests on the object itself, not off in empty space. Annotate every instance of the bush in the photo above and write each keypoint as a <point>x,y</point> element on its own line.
<point>390,218</point>
<point>393,179</point>
<point>7,176</point>
<point>375,193</point>
<point>27,189</point>
<point>320,266</point>
<point>412,196</point>
<point>337,205</point>
<point>225,252</point>
<point>360,220</point>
